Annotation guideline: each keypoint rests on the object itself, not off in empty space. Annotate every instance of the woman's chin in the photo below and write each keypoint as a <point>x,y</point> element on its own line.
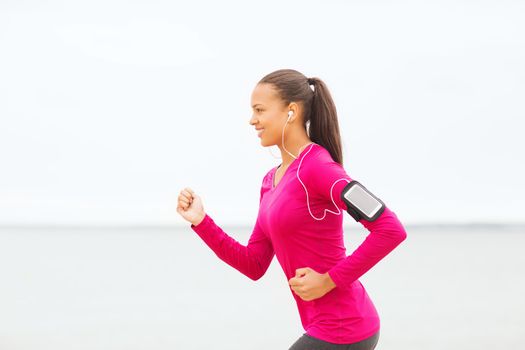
<point>266,143</point>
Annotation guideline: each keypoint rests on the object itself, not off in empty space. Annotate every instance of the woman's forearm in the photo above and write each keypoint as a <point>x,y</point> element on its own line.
<point>252,260</point>
<point>386,233</point>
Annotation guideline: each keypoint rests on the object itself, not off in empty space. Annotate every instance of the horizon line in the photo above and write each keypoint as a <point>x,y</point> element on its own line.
<point>413,225</point>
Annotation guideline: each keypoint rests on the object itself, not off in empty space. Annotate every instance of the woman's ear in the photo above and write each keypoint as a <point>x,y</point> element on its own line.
<point>293,110</point>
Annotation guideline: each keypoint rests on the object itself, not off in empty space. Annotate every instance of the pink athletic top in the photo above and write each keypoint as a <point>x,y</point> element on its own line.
<point>285,228</point>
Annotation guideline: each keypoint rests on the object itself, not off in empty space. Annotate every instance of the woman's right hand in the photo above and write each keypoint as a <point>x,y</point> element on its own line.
<point>190,206</point>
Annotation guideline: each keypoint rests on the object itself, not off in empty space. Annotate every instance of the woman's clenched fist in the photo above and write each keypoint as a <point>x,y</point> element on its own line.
<point>190,206</point>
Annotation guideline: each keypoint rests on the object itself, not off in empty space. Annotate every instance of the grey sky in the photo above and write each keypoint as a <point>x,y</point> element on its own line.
<point>108,109</point>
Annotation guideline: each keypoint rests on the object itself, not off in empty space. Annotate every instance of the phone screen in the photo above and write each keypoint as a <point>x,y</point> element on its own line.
<point>363,200</point>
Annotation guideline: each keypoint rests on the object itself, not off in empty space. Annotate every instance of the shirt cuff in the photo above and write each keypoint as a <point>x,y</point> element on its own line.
<point>339,283</point>
<point>205,222</point>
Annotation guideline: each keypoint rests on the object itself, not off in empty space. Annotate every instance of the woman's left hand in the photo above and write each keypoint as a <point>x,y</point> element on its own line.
<point>309,284</point>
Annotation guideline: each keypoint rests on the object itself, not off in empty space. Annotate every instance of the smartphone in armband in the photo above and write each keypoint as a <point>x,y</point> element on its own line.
<point>361,203</point>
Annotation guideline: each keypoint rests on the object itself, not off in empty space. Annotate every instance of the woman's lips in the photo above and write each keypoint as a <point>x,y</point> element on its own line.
<point>259,132</point>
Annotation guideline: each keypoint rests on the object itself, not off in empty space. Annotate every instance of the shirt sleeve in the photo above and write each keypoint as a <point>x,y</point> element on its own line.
<point>385,233</point>
<point>252,260</point>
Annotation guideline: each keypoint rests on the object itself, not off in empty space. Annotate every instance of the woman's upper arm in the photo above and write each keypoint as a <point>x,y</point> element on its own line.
<point>326,179</point>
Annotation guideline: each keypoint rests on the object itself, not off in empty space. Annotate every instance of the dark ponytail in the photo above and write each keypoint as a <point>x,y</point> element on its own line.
<point>320,115</point>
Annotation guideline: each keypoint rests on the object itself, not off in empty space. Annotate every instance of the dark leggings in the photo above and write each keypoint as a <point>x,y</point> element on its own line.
<point>307,342</point>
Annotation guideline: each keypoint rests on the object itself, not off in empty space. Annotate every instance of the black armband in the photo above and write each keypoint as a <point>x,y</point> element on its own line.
<point>361,203</point>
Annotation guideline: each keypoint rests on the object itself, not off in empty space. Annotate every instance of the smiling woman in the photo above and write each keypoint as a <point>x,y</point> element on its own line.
<point>293,222</point>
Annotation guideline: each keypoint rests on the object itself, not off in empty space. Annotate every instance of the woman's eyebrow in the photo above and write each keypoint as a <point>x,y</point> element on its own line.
<point>257,104</point>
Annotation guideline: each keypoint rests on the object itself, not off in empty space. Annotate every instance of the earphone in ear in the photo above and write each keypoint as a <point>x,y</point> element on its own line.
<point>290,113</point>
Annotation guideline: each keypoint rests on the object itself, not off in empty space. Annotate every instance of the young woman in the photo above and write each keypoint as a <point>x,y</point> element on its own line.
<point>300,217</point>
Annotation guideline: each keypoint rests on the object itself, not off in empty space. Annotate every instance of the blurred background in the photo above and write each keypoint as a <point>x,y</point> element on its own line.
<point>109,108</point>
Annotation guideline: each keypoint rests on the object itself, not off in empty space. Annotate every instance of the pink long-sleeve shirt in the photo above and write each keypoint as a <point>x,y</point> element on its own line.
<point>285,228</point>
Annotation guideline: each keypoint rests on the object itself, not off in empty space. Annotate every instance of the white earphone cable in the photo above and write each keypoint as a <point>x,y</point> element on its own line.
<point>331,194</point>
<point>290,113</point>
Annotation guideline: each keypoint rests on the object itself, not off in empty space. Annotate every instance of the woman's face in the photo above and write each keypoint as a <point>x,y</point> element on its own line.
<point>269,114</point>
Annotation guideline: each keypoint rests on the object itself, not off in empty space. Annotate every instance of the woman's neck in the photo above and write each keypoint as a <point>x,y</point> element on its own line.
<point>296,148</point>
